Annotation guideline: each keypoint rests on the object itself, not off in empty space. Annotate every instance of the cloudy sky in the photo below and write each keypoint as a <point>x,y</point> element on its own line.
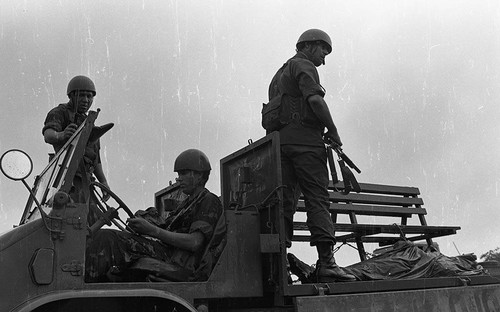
<point>412,85</point>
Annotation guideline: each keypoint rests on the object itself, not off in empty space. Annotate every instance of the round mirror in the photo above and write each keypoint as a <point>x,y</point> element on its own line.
<point>16,164</point>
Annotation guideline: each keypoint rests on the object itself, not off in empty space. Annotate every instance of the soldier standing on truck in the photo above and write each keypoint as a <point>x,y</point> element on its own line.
<point>61,123</point>
<point>303,154</point>
<point>184,248</point>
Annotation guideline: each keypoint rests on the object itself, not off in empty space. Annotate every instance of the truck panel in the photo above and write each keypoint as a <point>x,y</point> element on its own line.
<point>464,299</point>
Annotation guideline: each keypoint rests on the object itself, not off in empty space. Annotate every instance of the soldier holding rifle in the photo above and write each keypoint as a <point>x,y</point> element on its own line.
<point>303,154</point>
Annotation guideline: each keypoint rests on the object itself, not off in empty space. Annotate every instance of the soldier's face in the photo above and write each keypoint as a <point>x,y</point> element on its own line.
<point>83,100</point>
<point>318,53</point>
<point>189,181</point>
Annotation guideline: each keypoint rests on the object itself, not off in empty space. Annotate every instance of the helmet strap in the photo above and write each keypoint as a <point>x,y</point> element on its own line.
<point>74,101</point>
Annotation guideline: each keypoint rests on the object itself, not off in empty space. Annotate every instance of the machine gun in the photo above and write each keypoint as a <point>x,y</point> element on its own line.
<point>350,182</point>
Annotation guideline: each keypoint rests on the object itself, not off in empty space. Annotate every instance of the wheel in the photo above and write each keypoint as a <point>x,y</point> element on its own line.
<point>109,213</point>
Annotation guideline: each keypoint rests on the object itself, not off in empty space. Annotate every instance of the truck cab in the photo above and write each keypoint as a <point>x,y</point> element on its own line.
<point>42,259</point>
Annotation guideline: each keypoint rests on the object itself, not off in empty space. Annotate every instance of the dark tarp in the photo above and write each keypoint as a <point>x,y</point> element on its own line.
<point>404,260</point>
<point>407,261</point>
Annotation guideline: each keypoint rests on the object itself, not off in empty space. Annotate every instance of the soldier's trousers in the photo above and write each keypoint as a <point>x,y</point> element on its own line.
<point>304,170</point>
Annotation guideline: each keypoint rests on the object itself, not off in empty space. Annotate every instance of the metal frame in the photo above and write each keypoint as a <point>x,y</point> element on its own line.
<point>250,178</point>
<point>62,167</point>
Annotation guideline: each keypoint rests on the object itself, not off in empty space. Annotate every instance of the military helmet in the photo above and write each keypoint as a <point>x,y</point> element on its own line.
<point>315,35</point>
<point>192,159</point>
<point>81,83</point>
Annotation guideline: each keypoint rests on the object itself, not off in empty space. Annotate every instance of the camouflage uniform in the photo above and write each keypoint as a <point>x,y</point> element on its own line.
<point>111,254</point>
<point>58,119</point>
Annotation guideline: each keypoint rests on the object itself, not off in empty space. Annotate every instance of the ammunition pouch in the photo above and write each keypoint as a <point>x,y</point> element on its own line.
<point>284,109</point>
<point>273,115</point>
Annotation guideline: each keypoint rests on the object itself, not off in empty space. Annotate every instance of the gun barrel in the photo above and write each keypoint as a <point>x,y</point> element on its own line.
<point>346,158</point>
<point>349,162</point>
<point>341,154</point>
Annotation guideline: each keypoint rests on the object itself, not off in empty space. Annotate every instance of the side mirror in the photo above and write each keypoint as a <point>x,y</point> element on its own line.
<point>16,164</point>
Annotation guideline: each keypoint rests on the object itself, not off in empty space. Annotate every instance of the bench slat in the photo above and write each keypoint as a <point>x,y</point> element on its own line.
<point>381,240</point>
<point>371,229</point>
<point>371,210</point>
<point>382,189</point>
<point>375,199</point>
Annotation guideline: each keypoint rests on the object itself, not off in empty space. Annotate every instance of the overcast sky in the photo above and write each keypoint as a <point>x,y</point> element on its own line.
<point>413,87</point>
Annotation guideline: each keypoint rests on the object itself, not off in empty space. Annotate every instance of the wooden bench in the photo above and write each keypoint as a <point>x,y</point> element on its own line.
<point>378,202</point>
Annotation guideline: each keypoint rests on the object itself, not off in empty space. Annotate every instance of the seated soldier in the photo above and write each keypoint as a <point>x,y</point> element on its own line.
<point>185,248</point>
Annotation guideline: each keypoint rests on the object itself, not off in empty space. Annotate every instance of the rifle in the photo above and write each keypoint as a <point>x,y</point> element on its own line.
<point>333,171</point>
<point>342,155</point>
<point>350,182</point>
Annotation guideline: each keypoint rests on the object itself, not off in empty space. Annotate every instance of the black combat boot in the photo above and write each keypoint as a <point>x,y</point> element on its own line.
<point>327,270</point>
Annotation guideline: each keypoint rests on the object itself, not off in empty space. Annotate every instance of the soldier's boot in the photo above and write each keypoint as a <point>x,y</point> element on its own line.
<point>327,270</point>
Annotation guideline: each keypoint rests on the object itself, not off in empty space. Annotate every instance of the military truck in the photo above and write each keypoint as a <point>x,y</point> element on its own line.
<point>42,260</point>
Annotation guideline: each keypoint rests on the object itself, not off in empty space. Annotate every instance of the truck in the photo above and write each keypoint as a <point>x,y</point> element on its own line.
<point>42,259</point>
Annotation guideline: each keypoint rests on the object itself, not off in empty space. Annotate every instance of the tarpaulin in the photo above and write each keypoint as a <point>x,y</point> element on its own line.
<point>408,261</point>
<point>404,260</point>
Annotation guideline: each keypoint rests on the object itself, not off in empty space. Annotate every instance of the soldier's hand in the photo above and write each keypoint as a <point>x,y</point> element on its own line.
<point>142,226</point>
<point>332,137</point>
<point>69,131</point>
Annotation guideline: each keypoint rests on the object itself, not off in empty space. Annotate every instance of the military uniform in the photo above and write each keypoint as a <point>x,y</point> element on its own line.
<point>303,154</point>
<point>112,252</point>
<point>58,119</point>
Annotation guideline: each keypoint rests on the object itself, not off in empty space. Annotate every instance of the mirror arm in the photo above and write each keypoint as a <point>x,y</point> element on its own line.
<point>39,207</point>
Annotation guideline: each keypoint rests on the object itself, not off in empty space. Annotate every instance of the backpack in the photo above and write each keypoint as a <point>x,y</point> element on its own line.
<point>273,113</point>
